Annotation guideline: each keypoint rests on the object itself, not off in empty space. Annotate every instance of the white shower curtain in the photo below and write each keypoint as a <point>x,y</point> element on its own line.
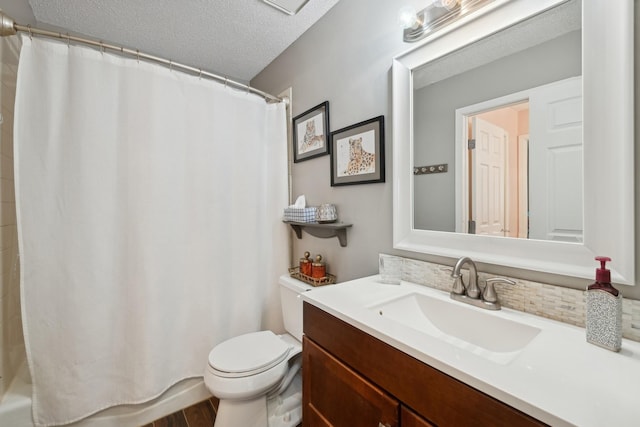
<point>149,215</point>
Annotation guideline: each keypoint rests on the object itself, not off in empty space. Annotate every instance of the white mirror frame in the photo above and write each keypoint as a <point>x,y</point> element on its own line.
<point>607,66</point>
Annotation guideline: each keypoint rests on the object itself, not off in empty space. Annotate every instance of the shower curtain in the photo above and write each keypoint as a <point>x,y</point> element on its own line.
<point>149,214</point>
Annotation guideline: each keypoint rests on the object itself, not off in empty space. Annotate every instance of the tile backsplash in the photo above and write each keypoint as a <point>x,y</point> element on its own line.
<point>553,302</point>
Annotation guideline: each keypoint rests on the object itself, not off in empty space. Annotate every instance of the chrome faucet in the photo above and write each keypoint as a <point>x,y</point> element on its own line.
<point>471,294</point>
<point>471,290</point>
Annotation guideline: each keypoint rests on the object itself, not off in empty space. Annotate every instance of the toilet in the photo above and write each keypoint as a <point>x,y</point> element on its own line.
<point>257,376</point>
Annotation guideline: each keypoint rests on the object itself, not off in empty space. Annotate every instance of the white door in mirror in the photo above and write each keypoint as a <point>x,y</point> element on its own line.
<point>488,178</point>
<point>555,161</point>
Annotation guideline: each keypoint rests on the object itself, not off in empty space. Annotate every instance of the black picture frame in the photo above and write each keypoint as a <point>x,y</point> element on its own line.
<point>311,133</point>
<point>357,153</point>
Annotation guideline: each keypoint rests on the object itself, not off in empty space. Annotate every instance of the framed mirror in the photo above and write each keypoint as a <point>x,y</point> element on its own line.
<point>567,87</point>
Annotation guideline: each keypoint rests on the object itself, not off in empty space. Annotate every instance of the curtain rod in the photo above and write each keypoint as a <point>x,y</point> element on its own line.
<point>8,27</point>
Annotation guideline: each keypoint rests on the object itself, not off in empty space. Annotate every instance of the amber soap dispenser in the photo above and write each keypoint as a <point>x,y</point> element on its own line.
<point>604,310</point>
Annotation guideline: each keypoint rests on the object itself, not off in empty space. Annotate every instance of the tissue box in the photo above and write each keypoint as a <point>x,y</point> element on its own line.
<point>300,214</point>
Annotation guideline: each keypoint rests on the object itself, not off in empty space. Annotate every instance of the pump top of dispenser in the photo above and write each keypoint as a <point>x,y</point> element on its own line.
<point>603,277</point>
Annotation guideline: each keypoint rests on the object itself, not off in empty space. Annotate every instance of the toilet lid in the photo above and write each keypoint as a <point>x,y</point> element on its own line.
<point>249,353</point>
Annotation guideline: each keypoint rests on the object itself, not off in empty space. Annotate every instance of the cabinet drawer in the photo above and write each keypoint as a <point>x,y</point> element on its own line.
<point>334,395</point>
<point>441,399</point>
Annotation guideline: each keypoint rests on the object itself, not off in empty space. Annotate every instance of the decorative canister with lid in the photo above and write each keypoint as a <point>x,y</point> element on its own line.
<point>305,264</point>
<point>318,268</point>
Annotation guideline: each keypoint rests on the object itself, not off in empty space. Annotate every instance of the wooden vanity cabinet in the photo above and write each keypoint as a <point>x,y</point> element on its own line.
<point>337,396</point>
<point>411,419</point>
<point>352,379</point>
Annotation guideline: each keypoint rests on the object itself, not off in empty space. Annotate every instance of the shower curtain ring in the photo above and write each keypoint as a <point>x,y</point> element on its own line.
<point>225,82</point>
<point>30,33</point>
<point>68,40</point>
<point>170,65</point>
<point>200,74</point>
<point>138,55</point>
<point>101,47</point>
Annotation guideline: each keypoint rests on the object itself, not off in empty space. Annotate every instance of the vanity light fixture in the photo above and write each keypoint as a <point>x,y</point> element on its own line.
<point>438,14</point>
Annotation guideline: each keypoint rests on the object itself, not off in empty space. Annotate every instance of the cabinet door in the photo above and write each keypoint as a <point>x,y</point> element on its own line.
<point>408,418</point>
<point>336,396</point>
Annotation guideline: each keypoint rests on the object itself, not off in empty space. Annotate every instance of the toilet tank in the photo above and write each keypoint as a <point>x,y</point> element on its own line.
<point>290,290</point>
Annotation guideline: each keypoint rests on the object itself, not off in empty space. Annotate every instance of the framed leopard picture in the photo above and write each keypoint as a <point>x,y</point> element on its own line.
<point>311,133</point>
<point>357,153</point>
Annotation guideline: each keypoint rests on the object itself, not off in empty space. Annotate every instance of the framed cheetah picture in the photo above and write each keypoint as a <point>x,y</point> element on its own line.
<point>357,153</point>
<point>311,133</point>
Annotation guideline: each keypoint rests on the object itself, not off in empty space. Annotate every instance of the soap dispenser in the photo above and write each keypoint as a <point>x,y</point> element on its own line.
<point>604,310</point>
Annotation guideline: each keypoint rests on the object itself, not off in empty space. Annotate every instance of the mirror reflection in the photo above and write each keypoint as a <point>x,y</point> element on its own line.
<point>505,115</point>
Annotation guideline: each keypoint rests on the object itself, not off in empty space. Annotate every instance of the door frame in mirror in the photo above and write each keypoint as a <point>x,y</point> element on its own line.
<point>607,30</point>
<point>462,178</point>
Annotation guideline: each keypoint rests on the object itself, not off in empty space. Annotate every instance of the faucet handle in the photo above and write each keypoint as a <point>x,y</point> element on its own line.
<point>459,287</point>
<point>489,294</point>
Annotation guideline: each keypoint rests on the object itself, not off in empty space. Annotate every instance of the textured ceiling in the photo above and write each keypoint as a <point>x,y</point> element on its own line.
<point>234,38</point>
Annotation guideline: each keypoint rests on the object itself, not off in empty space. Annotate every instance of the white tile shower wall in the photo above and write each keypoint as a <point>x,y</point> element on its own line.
<point>553,302</point>
<point>12,352</point>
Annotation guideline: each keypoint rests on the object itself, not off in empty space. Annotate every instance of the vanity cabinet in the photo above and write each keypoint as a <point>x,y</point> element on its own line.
<point>353,379</point>
<point>411,419</point>
<point>338,396</point>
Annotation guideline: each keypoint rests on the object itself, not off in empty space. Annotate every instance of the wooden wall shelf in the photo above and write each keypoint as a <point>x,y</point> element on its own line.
<point>337,229</point>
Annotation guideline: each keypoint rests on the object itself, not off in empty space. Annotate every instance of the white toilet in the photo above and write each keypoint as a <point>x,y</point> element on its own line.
<point>257,376</point>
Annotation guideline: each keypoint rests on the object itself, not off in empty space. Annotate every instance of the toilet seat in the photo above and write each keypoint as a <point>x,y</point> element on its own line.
<point>248,354</point>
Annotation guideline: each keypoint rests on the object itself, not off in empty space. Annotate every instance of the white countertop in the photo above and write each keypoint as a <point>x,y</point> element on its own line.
<point>557,378</point>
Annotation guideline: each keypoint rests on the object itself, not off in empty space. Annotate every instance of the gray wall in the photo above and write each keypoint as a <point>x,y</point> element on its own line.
<point>435,107</point>
<point>346,59</point>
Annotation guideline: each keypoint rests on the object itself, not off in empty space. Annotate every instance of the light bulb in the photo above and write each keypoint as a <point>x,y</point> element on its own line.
<point>407,17</point>
<point>447,4</point>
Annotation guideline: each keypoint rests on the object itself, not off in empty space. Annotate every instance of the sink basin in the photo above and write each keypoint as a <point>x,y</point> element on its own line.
<point>471,329</point>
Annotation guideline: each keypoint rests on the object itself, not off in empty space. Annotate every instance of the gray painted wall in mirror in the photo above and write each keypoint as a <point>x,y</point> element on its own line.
<point>346,59</point>
<point>435,107</point>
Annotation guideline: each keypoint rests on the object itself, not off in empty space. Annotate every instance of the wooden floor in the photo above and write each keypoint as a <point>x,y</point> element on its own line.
<point>201,414</point>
